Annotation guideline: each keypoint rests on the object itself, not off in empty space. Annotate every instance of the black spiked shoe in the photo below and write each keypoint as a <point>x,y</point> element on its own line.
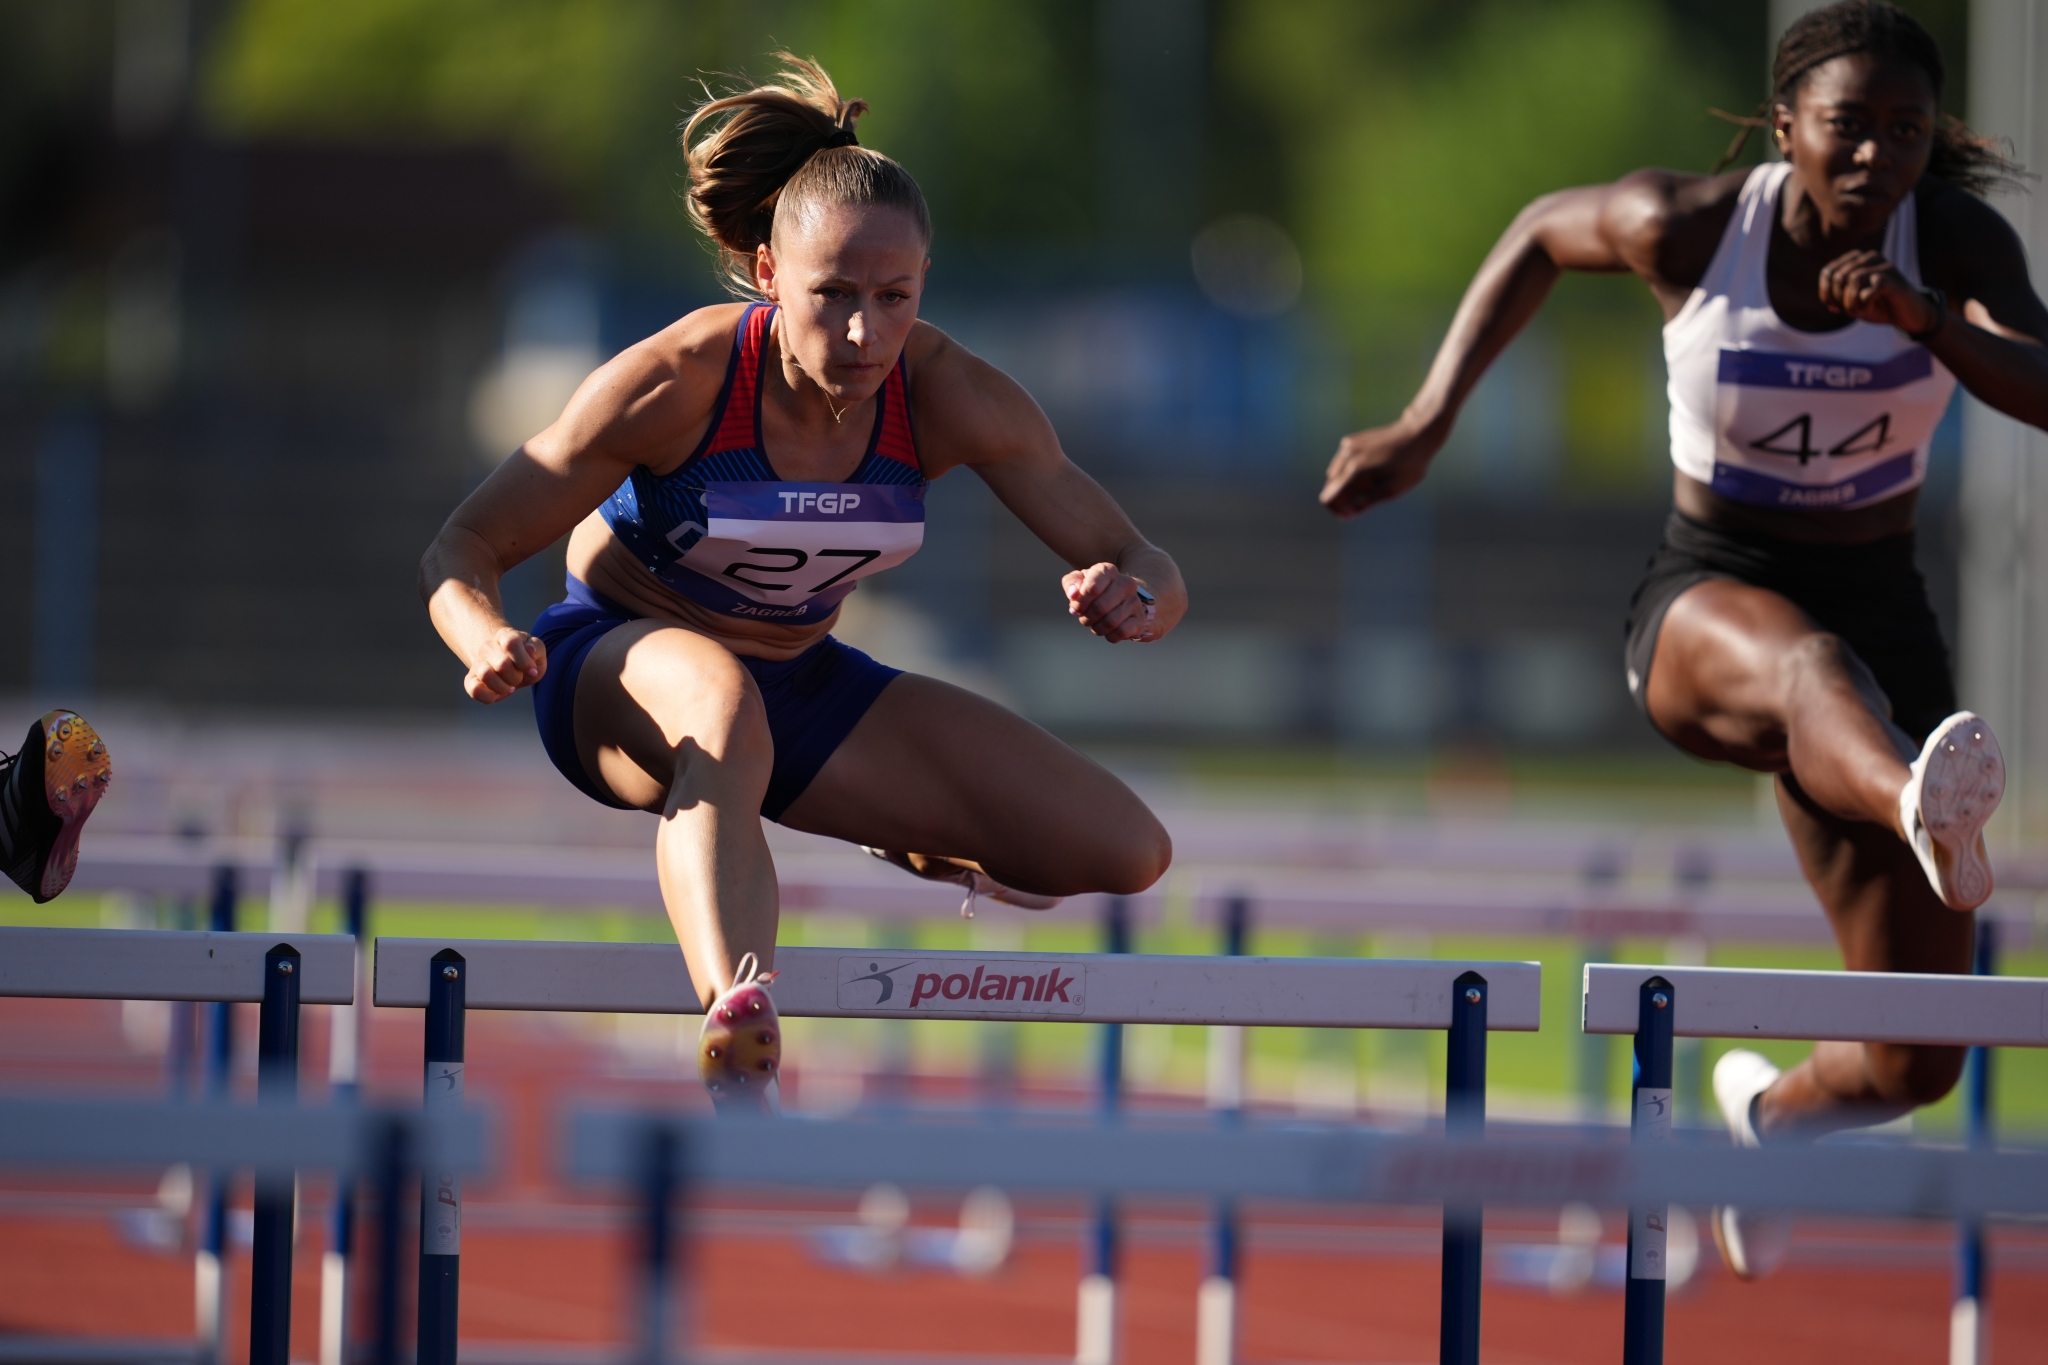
<point>46,791</point>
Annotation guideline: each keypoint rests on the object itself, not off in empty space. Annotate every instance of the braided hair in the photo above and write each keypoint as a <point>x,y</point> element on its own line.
<point>1962,157</point>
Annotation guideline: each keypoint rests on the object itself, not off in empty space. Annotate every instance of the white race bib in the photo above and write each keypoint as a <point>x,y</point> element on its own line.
<point>796,549</point>
<point>1813,431</point>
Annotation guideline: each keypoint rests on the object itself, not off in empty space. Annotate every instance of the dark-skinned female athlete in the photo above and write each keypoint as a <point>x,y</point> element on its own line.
<point>1819,312</point>
<point>724,485</point>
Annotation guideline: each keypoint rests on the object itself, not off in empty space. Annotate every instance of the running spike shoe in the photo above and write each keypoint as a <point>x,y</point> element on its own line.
<point>936,869</point>
<point>1753,1244</point>
<point>1955,786</point>
<point>46,791</point>
<point>739,1051</point>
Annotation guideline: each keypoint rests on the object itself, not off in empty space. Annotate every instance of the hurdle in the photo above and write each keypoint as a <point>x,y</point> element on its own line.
<point>448,977</point>
<point>662,1157</point>
<point>1657,1004</point>
<point>276,1138</point>
<point>279,972</point>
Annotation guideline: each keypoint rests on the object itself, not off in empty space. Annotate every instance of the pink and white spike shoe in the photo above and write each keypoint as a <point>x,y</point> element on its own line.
<point>739,1051</point>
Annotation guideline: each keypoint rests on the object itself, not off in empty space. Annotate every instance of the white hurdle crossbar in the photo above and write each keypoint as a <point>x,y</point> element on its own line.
<point>1071,988</point>
<point>1659,1003</point>
<point>1856,1007</point>
<point>447,977</point>
<point>148,964</point>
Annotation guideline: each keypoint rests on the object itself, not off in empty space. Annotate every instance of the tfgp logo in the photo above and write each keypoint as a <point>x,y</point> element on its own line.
<point>832,504</point>
<point>952,985</point>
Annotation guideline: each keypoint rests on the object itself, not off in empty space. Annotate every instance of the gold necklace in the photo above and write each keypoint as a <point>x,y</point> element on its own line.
<point>838,414</point>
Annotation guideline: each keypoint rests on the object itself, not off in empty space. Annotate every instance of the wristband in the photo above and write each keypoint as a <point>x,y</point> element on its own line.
<point>1933,329</point>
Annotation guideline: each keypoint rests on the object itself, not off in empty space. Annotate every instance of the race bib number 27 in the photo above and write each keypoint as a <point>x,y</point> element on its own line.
<point>785,543</point>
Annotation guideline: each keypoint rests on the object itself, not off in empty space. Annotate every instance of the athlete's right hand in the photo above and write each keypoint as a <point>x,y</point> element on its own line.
<point>1372,467</point>
<point>509,660</point>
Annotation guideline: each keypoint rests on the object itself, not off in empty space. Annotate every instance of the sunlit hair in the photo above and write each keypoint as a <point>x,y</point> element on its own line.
<point>1964,158</point>
<point>771,155</point>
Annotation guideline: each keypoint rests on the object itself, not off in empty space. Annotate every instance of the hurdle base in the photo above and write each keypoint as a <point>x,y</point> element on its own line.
<point>333,1306</point>
<point>1966,1324</point>
<point>1095,1321</point>
<point>206,1300</point>
<point>1216,1322</point>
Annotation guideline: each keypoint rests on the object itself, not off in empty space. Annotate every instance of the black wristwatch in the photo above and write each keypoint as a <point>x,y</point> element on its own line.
<point>1933,329</point>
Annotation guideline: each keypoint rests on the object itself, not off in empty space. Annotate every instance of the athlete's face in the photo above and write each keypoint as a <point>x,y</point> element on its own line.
<point>1859,137</point>
<point>848,280</point>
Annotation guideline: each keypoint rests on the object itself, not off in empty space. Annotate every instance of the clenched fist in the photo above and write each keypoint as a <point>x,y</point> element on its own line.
<point>509,660</point>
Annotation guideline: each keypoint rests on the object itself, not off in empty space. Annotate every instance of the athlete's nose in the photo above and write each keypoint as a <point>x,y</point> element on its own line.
<point>857,330</point>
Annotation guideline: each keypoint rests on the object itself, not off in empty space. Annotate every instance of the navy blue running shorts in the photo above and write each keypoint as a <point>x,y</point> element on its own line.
<point>813,700</point>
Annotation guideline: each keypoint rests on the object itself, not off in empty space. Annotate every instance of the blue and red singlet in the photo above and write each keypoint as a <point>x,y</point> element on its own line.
<point>724,531</point>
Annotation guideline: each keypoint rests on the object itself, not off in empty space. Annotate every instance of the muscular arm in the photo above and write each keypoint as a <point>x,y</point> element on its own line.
<point>1996,337</point>
<point>646,401</point>
<point>1657,224</point>
<point>970,413</point>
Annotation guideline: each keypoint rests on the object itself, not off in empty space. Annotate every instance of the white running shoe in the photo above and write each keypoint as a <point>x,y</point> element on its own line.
<point>1753,1244</point>
<point>1955,786</point>
<point>976,883</point>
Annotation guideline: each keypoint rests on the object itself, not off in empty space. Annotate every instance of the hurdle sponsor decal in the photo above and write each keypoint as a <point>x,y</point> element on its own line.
<point>874,983</point>
<point>441,1210</point>
<point>1647,1222</point>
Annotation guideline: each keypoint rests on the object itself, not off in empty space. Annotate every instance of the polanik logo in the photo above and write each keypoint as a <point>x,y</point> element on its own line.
<point>874,984</point>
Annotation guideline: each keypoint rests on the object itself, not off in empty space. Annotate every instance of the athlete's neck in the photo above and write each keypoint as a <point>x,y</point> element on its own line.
<point>803,402</point>
<point>1824,235</point>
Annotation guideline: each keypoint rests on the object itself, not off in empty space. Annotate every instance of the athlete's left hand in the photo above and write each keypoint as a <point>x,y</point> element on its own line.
<point>1105,599</point>
<point>1870,288</point>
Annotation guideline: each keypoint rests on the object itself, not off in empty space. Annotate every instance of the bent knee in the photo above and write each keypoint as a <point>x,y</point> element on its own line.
<point>1915,1075</point>
<point>1135,860</point>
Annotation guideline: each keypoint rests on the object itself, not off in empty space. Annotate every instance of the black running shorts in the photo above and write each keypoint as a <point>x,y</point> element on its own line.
<point>1871,595</point>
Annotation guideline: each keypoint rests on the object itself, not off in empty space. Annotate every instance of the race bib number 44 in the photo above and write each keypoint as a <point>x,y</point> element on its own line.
<point>785,543</point>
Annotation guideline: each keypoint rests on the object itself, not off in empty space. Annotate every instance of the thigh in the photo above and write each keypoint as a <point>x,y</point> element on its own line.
<point>1717,681</point>
<point>651,699</point>
<point>933,768</point>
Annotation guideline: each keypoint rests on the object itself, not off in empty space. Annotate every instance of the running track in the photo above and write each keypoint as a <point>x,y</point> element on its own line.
<point>544,1265</point>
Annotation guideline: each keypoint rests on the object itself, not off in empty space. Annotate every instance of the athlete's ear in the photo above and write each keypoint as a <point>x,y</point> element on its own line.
<point>1781,129</point>
<point>764,271</point>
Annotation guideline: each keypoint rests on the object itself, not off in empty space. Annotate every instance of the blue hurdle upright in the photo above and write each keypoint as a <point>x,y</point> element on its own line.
<point>1657,1004</point>
<point>1112,989</point>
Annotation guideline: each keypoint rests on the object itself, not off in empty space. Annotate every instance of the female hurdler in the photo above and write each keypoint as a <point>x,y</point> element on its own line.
<point>1819,312</point>
<point>724,485</point>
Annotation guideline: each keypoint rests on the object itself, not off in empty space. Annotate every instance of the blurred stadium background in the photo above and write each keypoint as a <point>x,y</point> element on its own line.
<point>280,281</point>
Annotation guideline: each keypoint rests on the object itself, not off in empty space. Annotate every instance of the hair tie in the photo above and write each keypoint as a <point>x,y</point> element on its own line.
<point>842,138</point>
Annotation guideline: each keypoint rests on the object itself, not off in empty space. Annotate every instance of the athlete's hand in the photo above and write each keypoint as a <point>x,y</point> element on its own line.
<point>1870,288</point>
<point>509,660</point>
<point>1372,467</point>
<point>1105,599</point>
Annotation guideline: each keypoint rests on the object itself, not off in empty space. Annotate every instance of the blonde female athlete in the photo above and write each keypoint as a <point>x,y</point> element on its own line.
<point>724,485</point>
<point>1819,312</point>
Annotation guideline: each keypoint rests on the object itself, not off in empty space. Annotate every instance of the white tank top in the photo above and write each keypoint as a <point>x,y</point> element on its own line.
<point>1765,413</point>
